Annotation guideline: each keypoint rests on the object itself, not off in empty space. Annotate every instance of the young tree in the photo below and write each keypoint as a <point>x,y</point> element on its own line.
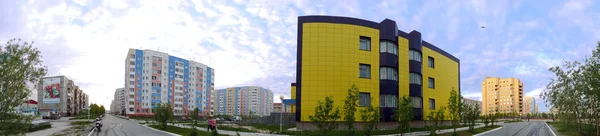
<point>325,115</point>
<point>494,118</point>
<point>194,117</point>
<point>20,65</point>
<point>101,110</point>
<point>404,114</point>
<point>163,114</point>
<point>350,104</point>
<point>437,117</point>
<point>454,106</point>
<point>486,119</point>
<point>370,115</point>
<point>470,114</point>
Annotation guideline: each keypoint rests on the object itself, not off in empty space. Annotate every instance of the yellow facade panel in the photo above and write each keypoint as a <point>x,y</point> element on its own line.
<point>445,75</point>
<point>336,66</point>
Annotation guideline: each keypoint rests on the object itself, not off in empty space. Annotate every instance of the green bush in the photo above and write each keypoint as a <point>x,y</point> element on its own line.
<point>39,127</point>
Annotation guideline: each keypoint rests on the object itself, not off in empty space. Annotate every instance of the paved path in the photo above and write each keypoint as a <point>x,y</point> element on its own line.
<point>114,126</point>
<point>533,128</point>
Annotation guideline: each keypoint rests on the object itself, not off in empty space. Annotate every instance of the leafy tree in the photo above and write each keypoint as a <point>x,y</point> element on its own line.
<point>163,114</point>
<point>370,115</point>
<point>494,118</point>
<point>20,64</point>
<point>350,104</point>
<point>325,115</point>
<point>454,106</point>
<point>404,114</point>
<point>437,117</point>
<point>575,92</point>
<point>528,116</point>
<point>486,120</point>
<point>470,114</point>
<point>194,116</point>
<point>102,110</point>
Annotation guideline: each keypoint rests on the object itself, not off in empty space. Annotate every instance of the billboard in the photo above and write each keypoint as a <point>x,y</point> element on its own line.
<point>51,89</point>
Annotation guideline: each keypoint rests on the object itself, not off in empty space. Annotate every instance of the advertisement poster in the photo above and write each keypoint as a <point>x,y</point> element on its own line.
<point>51,88</point>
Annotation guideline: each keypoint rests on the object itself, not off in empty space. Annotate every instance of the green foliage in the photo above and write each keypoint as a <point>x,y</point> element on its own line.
<point>214,133</point>
<point>470,113</point>
<point>575,92</point>
<point>194,132</point>
<point>454,106</point>
<point>350,104</point>
<point>493,118</point>
<point>20,64</point>
<point>370,115</point>
<point>486,120</point>
<point>325,115</point>
<point>404,114</point>
<point>163,114</point>
<point>437,118</point>
<point>96,110</point>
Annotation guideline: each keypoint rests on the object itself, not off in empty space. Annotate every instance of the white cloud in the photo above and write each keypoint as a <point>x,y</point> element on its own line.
<point>471,95</point>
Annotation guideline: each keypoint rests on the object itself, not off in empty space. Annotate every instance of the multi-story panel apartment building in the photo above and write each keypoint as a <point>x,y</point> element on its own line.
<point>529,105</point>
<point>118,103</point>
<point>155,77</point>
<point>385,63</point>
<point>246,100</point>
<point>502,95</point>
<point>58,94</point>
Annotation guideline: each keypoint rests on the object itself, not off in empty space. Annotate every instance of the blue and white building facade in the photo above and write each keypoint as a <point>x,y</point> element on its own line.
<point>153,77</point>
<point>245,100</point>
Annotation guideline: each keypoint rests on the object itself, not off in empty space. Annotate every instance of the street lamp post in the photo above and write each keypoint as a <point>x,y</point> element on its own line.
<point>281,115</point>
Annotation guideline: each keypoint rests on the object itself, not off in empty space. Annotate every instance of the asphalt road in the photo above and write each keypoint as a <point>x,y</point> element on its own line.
<point>114,126</point>
<point>533,128</point>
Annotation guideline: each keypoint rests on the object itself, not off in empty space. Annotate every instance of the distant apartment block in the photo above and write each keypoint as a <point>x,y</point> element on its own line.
<point>247,100</point>
<point>277,107</point>
<point>58,94</point>
<point>153,77</point>
<point>529,106</point>
<point>117,105</point>
<point>472,102</point>
<point>502,95</point>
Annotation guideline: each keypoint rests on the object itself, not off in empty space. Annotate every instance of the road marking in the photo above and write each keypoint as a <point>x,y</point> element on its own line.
<point>487,131</point>
<point>550,129</point>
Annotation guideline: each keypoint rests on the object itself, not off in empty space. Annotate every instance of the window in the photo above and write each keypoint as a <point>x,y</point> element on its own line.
<point>415,78</point>
<point>430,62</point>
<point>417,102</point>
<point>431,104</point>
<point>365,99</point>
<point>365,43</point>
<point>365,71</point>
<point>388,73</point>
<point>414,55</point>
<point>388,100</point>
<point>132,56</point>
<point>431,82</point>
<point>389,47</point>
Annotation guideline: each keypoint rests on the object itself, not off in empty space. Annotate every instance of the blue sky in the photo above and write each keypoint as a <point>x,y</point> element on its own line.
<point>254,42</point>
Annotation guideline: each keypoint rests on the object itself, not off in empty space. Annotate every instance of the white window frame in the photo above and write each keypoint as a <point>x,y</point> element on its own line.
<point>364,99</point>
<point>364,43</point>
<point>415,55</point>
<point>364,71</point>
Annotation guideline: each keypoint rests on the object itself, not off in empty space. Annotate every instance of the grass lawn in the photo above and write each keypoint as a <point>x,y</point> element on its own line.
<point>224,127</point>
<point>342,132</point>
<point>570,130</point>
<point>270,127</point>
<point>511,121</point>
<point>81,123</point>
<point>183,131</point>
<point>476,131</point>
<point>84,117</point>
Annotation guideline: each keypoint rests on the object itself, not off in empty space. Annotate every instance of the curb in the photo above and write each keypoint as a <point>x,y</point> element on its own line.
<point>169,133</point>
<point>554,134</point>
<point>487,131</point>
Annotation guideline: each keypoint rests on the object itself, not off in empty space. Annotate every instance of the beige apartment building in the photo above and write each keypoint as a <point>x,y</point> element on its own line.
<point>529,105</point>
<point>502,95</point>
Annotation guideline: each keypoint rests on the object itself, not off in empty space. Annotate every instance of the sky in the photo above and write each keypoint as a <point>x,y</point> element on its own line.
<point>254,42</point>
